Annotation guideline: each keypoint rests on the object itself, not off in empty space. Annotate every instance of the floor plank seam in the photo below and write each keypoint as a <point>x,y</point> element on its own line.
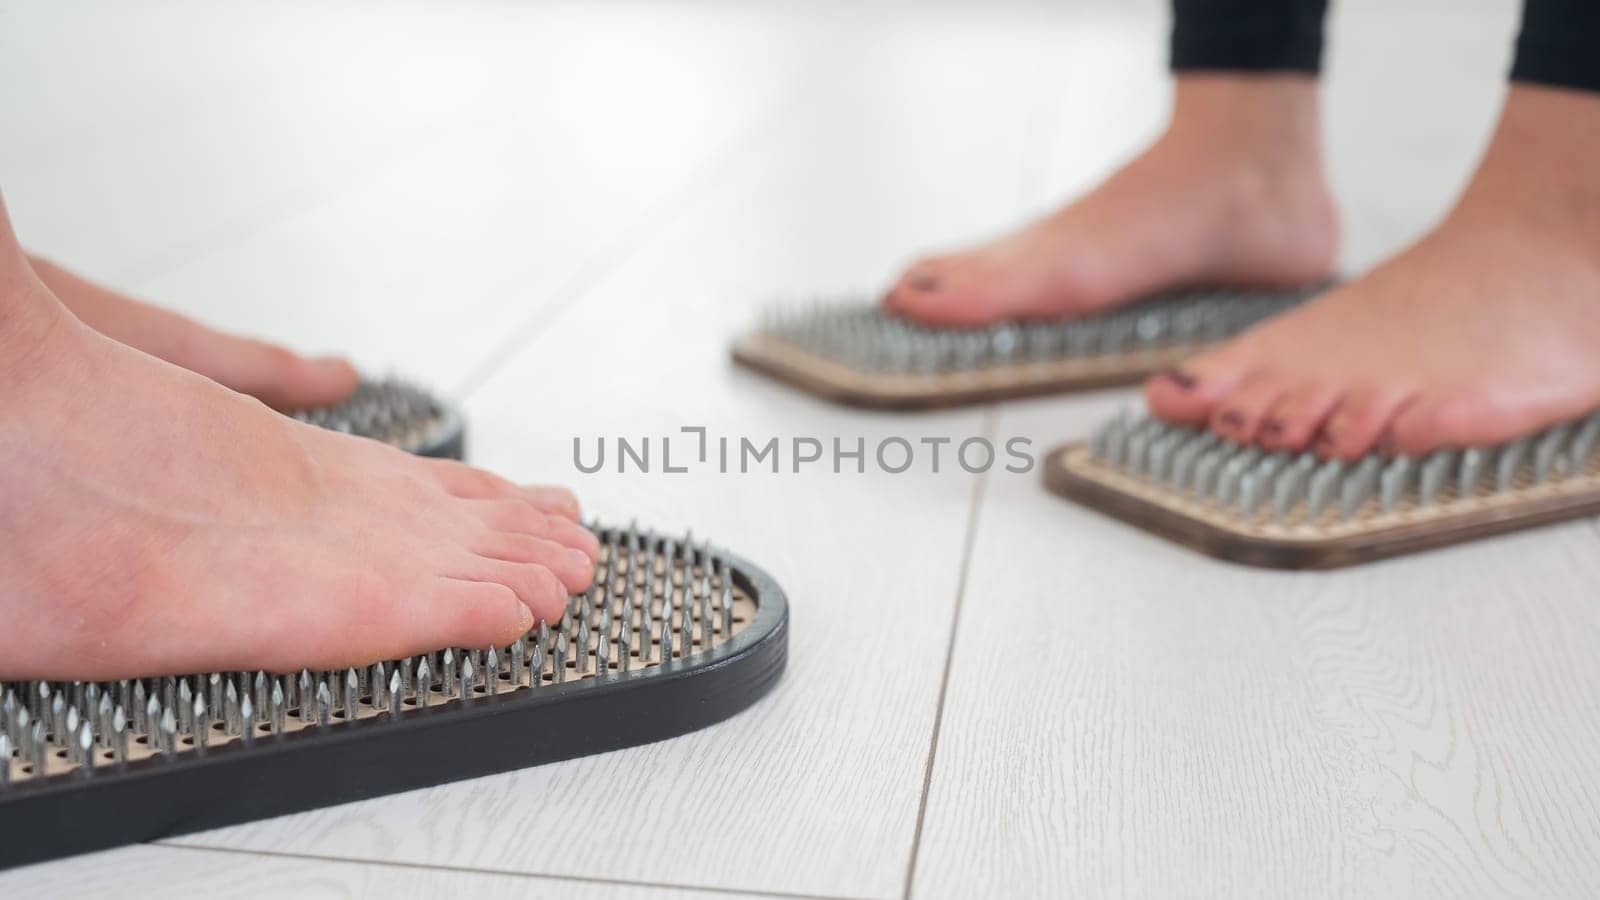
<point>975,512</point>
<point>512,873</point>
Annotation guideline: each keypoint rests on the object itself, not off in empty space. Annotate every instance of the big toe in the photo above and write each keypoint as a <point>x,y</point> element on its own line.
<point>322,381</point>
<point>463,613</point>
<point>920,288</point>
<point>276,376</point>
<point>952,292</point>
<point>1189,394</point>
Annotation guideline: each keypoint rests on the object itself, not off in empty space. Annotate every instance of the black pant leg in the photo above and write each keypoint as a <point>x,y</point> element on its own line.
<point>1250,35</point>
<point>1559,44</point>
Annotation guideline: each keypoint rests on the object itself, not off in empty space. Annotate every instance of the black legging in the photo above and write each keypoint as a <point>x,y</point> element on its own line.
<point>1559,45</point>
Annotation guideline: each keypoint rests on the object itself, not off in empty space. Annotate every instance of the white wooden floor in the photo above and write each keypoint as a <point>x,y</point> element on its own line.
<point>560,214</point>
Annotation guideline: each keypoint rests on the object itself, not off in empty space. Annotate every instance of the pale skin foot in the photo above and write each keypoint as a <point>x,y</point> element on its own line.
<point>1232,194</point>
<point>274,375</point>
<point>157,523</point>
<point>1485,331</point>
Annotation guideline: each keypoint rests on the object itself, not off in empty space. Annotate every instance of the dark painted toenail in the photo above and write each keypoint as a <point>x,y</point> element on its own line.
<point>925,283</point>
<point>1233,419</point>
<point>1183,380</point>
<point>1271,428</point>
<point>1326,440</point>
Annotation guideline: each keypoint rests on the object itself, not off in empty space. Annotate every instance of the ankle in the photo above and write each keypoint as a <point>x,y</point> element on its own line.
<point>1538,173</point>
<point>1270,117</point>
<point>1254,140</point>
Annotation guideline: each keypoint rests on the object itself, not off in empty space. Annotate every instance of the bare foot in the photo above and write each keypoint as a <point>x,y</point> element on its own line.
<point>1231,195</point>
<point>1482,332</point>
<point>155,522</point>
<point>274,375</point>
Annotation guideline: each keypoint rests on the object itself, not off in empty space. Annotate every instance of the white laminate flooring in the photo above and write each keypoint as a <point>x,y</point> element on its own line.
<point>559,214</point>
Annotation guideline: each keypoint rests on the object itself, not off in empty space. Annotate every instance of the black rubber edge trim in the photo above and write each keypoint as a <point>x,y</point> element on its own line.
<point>449,441</point>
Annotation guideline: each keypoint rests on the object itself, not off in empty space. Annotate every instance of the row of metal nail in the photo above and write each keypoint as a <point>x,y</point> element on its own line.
<point>865,337</point>
<point>388,410</point>
<point>652,600</point>
<point>1247,482</point>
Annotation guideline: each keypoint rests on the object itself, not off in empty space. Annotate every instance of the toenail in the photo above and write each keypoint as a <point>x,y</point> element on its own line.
<point>1326,440</point>
<point>1271,428</point>
<point>1386,445</point>
<point>1183,380</point>
<point>1233,419</point>
<point>925,283</point>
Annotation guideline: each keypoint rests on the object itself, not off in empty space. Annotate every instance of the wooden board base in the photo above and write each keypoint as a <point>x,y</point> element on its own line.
<point>832,381</point>
<point>1329,543</point>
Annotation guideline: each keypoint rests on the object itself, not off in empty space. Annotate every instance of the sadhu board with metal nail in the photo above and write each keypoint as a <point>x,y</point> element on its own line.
<point>397,413</point>
<point>857,354</point>
<point>673,637</point>
<point>1295,511</point>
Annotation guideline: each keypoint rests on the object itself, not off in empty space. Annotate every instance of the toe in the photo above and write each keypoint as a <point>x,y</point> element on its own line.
<point>1239,416</point>
<point>462,480</point>
<point>557,501</point>
<point>465,481</point>
<point>1358,422</point>
<point>917,286</point>
<point>463,613</point>
<point>1192,393</point>
<point>1295,418</point>
<point>385,623</point>
<point>520,517</point>
<point>274,375</point>
<point>536,586</point>
<point>574,567</point>
<point>1171,395</point>
<point>964,291</point>
<point>1417,428</point>
<point>941,292</point>
<point>303,382</point>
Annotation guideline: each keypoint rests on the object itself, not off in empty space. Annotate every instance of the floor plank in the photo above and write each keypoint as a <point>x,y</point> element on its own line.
<point>1160,724</point>
<point>1127,718</point>
<point>561,212</point>
<point>178,872</point>
<point>816,789</point>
